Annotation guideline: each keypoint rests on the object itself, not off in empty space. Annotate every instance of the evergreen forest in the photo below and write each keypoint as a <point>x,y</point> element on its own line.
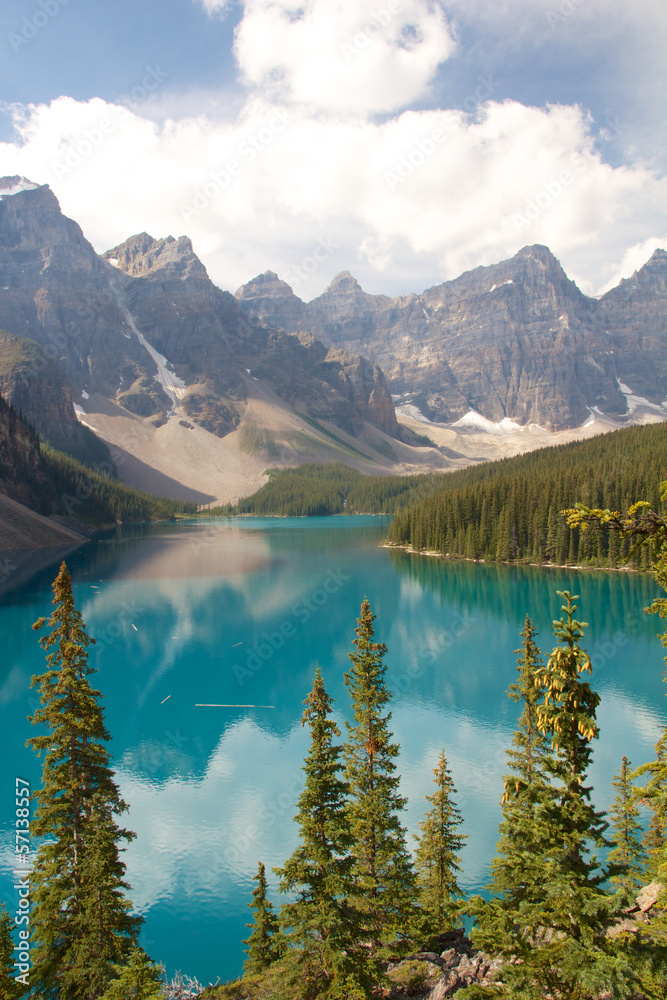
<point>507,510</point>
<point>510,510</point>
<point>52,482</point>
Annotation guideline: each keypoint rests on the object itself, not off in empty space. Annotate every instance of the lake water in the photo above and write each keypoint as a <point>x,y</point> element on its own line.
<point>238,613</point>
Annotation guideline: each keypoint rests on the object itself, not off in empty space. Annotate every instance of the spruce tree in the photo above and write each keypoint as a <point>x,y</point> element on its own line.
<point>565,946</point>
<point>556,917</point>
<point>263,948</point>
<point>437,857</point>
<point>517,875</point>
<point>628,852</point>
<point>654,794</point>
<point>9,988</point>
<point>140,979</point>
<point>81,923</point>
<point>383,872</point>
<point>321,928</point>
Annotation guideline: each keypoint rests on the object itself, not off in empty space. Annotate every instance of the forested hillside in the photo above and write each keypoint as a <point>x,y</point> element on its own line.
<point>50,482</point>
<point>318,490</point>
<point>510,510</point>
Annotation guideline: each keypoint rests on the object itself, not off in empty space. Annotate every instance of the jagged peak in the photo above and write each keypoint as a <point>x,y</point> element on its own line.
<point>343,280</point>
<point>539,252</point>
<point>142,254</point>
<point>265,285</point>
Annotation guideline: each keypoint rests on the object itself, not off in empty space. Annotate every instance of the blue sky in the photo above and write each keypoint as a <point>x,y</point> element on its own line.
<point>403,140</point>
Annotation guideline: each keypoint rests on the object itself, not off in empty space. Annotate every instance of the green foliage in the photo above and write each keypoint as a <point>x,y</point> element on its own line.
<point>9,988</point>
<point>645,529</point>
<point>409,977</point>
<point>81,923</point>
<point>384,877</point>
<point>510,510</point>
<point>628,852</point>
<point>654,794</point>
<point>553,920</point>
<point>50,481</point>
<point>319,490</point>
<point>525,829</point>
<point>322,930</point>
<point>140,979</point>
<point>95,497</point>
<point>437,860</point>
<point>263,947</point>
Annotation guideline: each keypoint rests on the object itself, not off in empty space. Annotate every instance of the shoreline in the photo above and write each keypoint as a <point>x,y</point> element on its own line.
<point>500,562</point>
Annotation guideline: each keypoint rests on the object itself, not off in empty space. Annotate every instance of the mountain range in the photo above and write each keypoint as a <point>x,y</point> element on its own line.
<point>194,391</point>
<point>515,340</point>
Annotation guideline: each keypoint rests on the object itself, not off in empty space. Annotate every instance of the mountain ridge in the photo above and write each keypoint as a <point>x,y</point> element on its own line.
<point>546,353</point>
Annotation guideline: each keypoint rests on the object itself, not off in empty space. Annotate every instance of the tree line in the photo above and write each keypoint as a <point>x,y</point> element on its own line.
<point>355,895</point>
<point>509,511</point>
<point>50,481</point>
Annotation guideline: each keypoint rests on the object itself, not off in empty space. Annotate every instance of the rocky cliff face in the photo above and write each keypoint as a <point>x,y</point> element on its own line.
<point>517,339</point>
<point>38,389</point>
<point>145,327</point>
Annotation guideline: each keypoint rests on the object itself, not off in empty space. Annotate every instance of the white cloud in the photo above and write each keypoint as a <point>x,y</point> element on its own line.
<point>403,202</point>
<point>370,56</point>
<point>417,198</point>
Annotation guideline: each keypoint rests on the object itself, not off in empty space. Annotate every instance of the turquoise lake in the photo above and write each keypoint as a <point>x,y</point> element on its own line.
<point>238,613</point>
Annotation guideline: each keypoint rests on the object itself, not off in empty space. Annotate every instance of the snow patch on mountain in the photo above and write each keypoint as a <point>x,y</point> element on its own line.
<point>13,185</point>
<point>633,402</point>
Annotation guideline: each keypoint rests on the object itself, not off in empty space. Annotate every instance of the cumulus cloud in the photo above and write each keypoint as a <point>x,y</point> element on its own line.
<point>309,162</point>
<point>426,193</point>
<point>371,56</point>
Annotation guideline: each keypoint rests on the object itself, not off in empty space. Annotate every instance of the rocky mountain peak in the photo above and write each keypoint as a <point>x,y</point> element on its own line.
<point>343,283</point>
<point>30,216</point>
<point>263,286</point>
<point>142,254</point>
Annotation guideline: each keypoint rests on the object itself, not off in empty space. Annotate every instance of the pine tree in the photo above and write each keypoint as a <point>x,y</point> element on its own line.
<point>140,979</point>
<point>628,852</point>
<point>9,988</point>
<point>517,875</point>
<point>81,923</point>
<point>654,794</point>
<point>321,928</point>
<point>437,857</point>
<point>575,909</point>
<point>263,948</point>
<point>383,873</point>
<point>557,917</point>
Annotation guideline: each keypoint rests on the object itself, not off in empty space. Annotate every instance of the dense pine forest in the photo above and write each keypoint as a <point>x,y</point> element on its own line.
<point>320,490</point>
<point>510,510</point>
<point>52,482</point>
<point>94,496</point>
<point>507,510</point>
